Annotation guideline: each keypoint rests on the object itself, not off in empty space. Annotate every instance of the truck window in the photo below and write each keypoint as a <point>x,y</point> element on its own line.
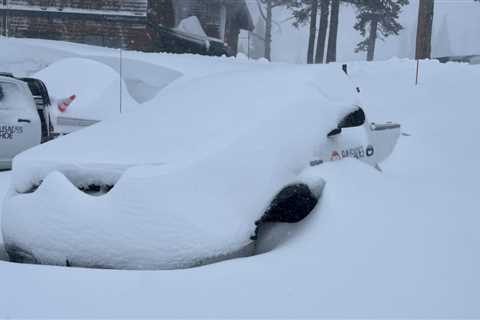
<point>13,97</point>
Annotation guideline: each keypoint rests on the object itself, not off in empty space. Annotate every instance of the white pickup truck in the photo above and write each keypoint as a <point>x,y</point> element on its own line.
<point>24,116</point>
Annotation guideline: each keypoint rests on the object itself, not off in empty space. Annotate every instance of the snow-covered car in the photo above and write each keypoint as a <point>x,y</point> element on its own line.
<point>193,181</point>
<point>471,59</point>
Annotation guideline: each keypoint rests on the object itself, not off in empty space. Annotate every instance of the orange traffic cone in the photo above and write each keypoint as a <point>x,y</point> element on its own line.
<point>65,103</point>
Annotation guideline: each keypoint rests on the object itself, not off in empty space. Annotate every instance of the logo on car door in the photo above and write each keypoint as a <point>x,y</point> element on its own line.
<point>8,132</point>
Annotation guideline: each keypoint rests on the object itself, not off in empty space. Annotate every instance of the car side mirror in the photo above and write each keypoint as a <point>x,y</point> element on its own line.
<point>354,119</point>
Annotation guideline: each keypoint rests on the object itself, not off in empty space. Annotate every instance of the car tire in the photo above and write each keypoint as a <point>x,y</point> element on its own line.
<point>291,205</point>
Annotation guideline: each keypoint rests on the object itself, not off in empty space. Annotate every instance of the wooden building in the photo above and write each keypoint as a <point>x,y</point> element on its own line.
<point>146,25</point>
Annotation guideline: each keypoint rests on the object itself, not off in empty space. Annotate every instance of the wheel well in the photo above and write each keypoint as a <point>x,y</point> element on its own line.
<point>291,205</point>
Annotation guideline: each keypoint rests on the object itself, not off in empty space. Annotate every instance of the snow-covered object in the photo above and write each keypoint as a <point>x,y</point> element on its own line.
<point>192,25</point>
<point>96,85</point>
<point>190,177</point>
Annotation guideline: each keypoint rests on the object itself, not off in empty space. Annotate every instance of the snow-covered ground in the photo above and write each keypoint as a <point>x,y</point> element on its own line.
<point>402,243</point>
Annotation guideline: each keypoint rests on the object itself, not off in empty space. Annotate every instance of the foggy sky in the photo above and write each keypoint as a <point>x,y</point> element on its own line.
<point>456,32</point>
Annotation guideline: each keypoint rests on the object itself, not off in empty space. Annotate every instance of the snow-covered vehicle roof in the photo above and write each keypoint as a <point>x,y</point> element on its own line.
<point>184,179</point>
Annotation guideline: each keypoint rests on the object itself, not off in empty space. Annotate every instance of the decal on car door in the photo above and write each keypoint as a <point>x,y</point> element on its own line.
<point>358,153</point>
<point>8,132</point>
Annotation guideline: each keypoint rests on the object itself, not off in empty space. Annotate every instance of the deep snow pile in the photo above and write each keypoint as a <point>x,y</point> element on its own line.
<point>402,243</point>
<point>96,86</point>
<point>197,146</point>
<point>68,67</point>
<point>25,57</point>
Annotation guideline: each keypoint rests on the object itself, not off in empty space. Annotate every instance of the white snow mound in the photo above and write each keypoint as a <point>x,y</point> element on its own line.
<point>96,85</point>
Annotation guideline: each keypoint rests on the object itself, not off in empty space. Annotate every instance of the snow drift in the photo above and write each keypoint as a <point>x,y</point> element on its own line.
<point>96,85</point>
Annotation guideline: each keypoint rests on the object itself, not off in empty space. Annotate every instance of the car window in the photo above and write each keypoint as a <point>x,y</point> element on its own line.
<point>13,97</point>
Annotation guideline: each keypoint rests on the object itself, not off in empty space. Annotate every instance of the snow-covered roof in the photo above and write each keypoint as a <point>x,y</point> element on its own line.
<point>237,9</point>
<point>113,7</point>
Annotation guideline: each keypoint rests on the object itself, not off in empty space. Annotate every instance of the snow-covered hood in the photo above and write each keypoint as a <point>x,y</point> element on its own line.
<point>191,172</point>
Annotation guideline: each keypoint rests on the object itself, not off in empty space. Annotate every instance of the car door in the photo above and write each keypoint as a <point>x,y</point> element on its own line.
<point>20,126</point>
<point>355,137</point>
<point>348,140</point>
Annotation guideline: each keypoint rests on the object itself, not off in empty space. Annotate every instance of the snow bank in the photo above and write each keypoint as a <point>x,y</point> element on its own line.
<point>96,85</point>
<point>28,56</point>
<point>24,59</point>
<point>144,75</point>
<point>180,171</point>
<point>143,80</point>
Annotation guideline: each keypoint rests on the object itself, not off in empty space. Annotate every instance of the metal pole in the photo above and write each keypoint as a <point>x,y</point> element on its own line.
<point>121,79</point>
<point>248,45</point>
<point>418,69</point>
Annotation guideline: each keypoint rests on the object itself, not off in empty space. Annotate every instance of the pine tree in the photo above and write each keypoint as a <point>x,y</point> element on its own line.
<point>377,18</point>
<point>266,11</point>
<point>322,30</point>
<point>333,31</point>
<point>313,31</point>
<point>305,11</point>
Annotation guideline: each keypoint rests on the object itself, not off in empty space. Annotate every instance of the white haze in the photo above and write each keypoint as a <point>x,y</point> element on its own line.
<point>456,32</point>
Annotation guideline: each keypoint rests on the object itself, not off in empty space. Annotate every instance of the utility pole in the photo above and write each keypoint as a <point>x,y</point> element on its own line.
<point>5,19</point>
<point>424,29</point>
<point>268,32</point>
<point>121,81</point>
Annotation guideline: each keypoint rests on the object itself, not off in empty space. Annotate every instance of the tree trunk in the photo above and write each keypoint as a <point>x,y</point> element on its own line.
<point>424,29</point>
<point>332,36</point>
<point>313,31</point>
<point>322,30</point>
<point>268,31</point>
<point>372,39</point>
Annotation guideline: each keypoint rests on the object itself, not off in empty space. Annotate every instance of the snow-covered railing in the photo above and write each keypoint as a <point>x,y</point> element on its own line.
<point>75,10</point>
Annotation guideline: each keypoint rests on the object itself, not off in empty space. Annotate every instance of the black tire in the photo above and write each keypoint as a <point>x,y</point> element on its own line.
<point>291,205</point>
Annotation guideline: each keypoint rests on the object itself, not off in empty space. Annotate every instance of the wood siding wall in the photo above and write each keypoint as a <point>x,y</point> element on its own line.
<point>110,23</point>
<point>109,32</point>
<point>137,7</point>
<point>116,23</point>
